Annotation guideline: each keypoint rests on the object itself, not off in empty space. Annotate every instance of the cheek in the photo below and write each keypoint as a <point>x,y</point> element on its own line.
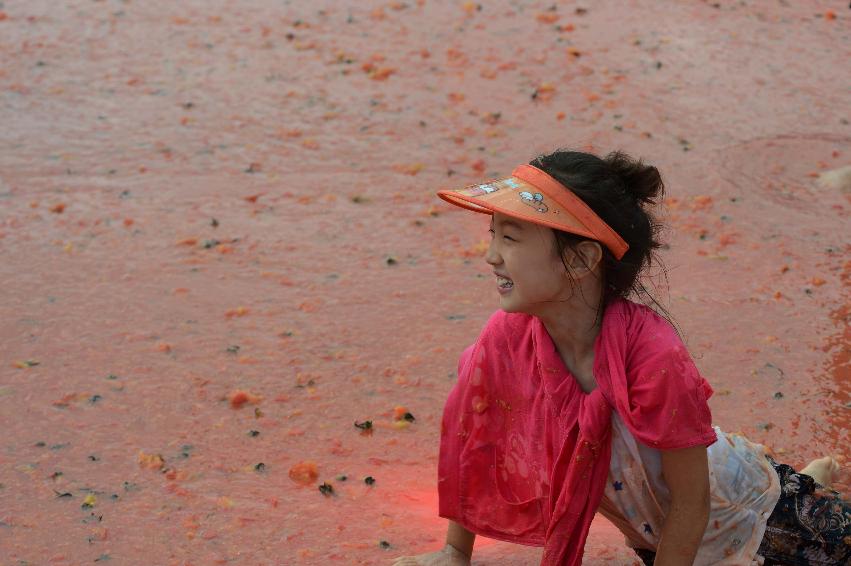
<point>532,261</point>
<point>549,282</point>
<point>541,277</point>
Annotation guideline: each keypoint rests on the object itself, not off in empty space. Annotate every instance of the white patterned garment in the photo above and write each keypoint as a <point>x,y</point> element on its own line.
<point>743,484</point>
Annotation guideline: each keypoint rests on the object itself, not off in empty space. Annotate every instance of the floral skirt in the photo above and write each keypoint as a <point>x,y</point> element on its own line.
<point>810,525</point>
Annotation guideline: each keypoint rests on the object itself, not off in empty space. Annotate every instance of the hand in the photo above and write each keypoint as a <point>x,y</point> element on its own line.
<point>446,556</point>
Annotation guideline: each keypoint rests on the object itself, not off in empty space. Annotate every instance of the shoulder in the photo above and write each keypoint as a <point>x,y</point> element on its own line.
<point>507,325</point>
<point>646,330</point>
<point>508,334</point>
<point>638,318</point>
<point>505,341</point>
<point>653,346</point>
<point>501,330</point>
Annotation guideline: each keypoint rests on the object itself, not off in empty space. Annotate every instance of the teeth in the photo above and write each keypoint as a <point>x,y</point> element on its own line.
<point>504,283</point>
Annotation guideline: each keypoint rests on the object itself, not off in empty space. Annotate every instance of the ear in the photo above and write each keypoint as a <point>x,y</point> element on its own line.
<point>585,258</point>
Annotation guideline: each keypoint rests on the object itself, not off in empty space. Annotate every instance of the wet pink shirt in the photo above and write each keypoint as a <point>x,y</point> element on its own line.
<point>525,453</point>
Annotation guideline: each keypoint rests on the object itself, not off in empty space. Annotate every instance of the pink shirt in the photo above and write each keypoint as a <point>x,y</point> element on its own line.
<point>525,453</point>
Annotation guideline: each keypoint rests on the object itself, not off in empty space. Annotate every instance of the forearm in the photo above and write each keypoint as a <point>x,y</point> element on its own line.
<point>681,534</point>
<point>460,538</point>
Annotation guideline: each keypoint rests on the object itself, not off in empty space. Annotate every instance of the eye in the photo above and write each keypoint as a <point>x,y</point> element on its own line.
<point>505,237</point>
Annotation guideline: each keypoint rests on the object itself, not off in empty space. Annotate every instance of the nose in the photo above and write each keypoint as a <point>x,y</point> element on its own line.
<point>492,255</point>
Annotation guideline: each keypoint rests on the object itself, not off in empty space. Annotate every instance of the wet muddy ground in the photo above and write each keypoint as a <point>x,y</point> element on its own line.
<point>220,248</point>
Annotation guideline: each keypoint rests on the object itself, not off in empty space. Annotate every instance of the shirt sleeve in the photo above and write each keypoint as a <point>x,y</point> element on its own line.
<point>667,407</point>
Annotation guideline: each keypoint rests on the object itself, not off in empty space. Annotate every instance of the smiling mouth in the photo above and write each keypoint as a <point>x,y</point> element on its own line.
<point>504,283</point>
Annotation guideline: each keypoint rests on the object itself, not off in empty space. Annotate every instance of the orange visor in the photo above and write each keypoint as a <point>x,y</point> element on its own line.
<point>532,195</point>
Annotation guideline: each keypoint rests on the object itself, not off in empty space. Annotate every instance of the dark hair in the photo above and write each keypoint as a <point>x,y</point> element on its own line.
<point>616,188</point>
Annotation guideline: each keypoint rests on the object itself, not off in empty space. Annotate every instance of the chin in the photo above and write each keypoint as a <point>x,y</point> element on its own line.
<point>507,306</point>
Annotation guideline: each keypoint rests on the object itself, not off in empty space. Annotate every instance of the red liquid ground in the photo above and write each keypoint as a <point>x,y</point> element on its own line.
<point>314,136</point>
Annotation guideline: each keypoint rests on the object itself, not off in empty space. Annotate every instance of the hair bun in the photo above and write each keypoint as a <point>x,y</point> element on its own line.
<point>642,182</point>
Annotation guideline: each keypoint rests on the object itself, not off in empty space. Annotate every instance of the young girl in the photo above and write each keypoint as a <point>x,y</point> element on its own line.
<point>576,400</point>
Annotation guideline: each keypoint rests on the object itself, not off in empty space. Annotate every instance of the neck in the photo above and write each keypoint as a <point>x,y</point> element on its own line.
<point>574,325</point>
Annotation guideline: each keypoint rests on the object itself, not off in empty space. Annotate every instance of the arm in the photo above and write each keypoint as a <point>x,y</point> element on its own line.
<point>686,472</point>
<point>460,538</point>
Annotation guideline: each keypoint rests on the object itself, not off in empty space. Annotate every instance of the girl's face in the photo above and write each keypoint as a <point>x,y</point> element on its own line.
<point>530,275</point>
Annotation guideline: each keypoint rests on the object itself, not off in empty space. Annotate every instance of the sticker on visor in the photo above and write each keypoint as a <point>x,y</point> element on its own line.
<point>492,187</point>
<point>536,201</point>
<point>479,190</point>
